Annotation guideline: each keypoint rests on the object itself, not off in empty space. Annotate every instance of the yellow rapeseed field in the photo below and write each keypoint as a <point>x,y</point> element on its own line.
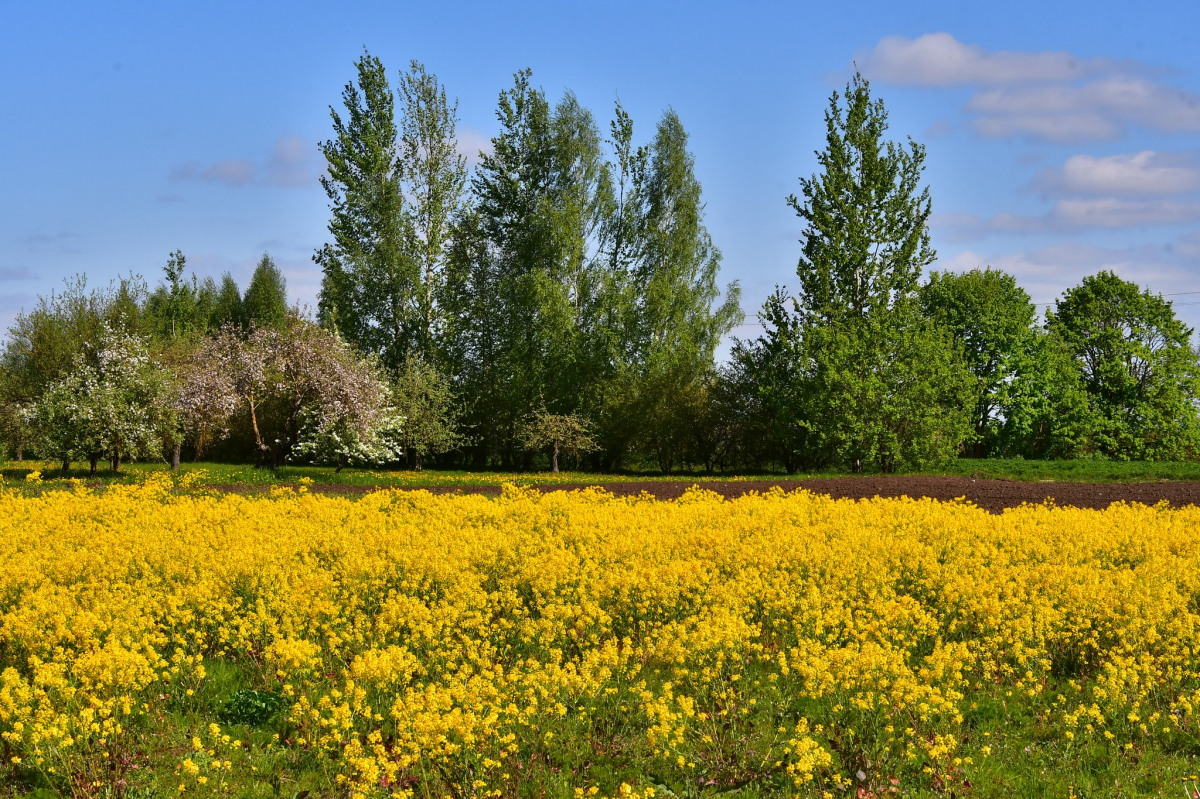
<point>574,644</point>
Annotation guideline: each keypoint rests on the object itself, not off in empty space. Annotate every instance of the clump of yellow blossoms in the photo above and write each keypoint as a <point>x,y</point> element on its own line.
<point>467,645</point>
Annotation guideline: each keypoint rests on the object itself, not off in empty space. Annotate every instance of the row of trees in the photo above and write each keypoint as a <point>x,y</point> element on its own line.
<point>561,298</point>
<point>561,277</point>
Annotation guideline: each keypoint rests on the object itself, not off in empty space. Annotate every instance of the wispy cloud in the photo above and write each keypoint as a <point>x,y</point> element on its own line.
<point>938,59</point>
<point>14,273</point>
<point>1071,215</point>
<point>1053,96</point>
<point>1143,189</point>
<point>60,242</point>
<point>290,165</point>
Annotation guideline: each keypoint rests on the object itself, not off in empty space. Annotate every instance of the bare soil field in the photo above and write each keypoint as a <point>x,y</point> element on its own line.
<point>991,495</point>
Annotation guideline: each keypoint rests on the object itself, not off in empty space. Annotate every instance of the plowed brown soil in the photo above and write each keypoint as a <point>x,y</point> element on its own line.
<point>991,495</point>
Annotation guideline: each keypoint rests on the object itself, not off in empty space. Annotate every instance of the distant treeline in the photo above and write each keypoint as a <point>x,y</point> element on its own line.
<point>561,296</point>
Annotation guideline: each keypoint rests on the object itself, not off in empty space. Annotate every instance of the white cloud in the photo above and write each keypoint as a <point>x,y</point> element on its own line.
<point>1189,245</point>
<point>938,59</point>
<point>1144,173</point>
<point>291,164</point>
<point>1099,109</point>
<point>8,273</point>
<point>1055,96</point>
<point>1113,212</point>
<point>234,172</point>
<point>60,242</point>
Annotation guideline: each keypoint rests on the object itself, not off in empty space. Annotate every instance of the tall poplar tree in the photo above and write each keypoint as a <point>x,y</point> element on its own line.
<point>433,174</point>
<point>872,381</point>
<point>679,323</point>
<point>395,185</point>
<point>368,271</point>
<point>523,285</point>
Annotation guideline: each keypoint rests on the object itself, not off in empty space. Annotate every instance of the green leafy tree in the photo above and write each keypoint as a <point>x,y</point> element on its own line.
<point>434,176</point>
<point>1044,403</point>
<point>872,380</point>
<point>370,276</point>
<point>422,396</point>
<point>522,286</point>
<point>265,303</point>
<point>679,323</point>
<point>175,307</point>
<point>992,320</point>
<point>776,378</point>
<point>660,312</point>
<point>227,305</point>
<point>1140,370</point>
<point>887,392</point>
<point>560,433</point>
<point>866,240</point>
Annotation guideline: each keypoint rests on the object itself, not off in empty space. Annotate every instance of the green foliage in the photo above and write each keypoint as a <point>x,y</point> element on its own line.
<point>227,305</point>
<point>890,393</point>
<point>422,397</point>
<point>1140,371</point>
<point>559,432</point>
<point>251,707</point>
<point>574,277</point>
<point>1044,404</point>
<point>434,175</point>
<point>370,276</point>
<point>265,303</point>
<point>852,371</point>
<point>521,286</point>
<point>992,321</point>
<point>866,238</point>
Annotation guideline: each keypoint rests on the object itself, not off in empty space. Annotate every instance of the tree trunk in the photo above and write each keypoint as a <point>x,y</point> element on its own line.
<point>417,459</point>
<point>175,457</point>
<point>115,462</point>
<point>20,454</point>
<point>66,466</point>
<point>554,458</point>
<point>93,460</point>
<point>341,464</point>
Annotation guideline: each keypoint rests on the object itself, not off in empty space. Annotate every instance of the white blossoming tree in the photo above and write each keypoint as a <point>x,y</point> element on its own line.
<point>113,403</point>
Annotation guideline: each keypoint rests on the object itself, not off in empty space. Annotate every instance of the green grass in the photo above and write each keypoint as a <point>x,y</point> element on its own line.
<point>204,474</point>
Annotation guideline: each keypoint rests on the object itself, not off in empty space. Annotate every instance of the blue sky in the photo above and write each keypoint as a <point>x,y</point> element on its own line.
<point>1062,138</point>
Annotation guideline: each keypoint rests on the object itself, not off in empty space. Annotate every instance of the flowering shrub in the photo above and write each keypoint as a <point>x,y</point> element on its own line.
<point>574,644</point>
<point>340,441</point>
